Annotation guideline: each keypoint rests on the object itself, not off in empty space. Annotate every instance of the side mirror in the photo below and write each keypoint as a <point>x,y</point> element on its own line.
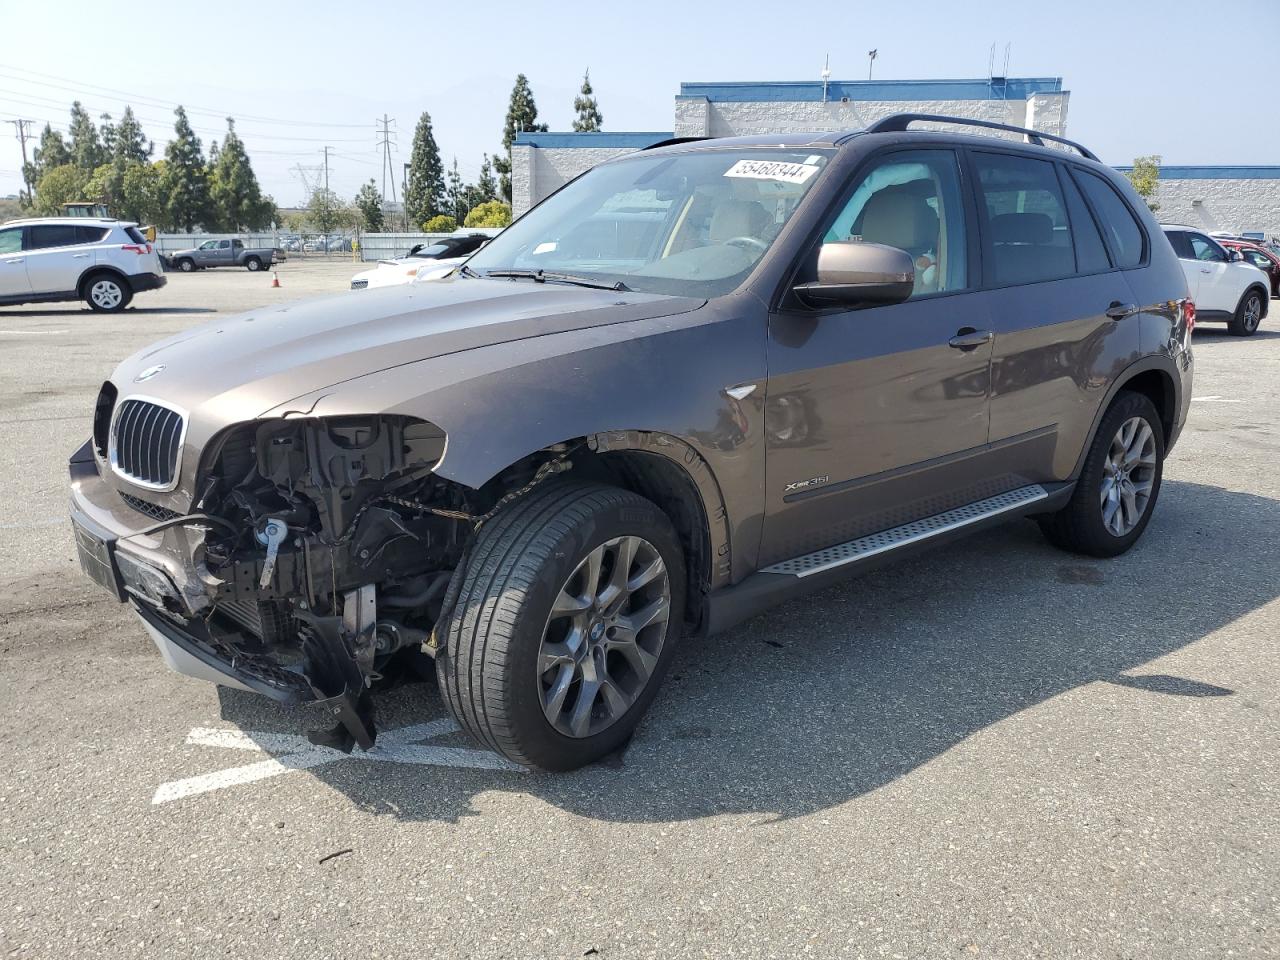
<point>853,273</point>
<point>1234,255</point>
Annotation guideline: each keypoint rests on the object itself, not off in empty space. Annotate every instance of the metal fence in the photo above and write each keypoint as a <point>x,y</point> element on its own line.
<point>368,246</point>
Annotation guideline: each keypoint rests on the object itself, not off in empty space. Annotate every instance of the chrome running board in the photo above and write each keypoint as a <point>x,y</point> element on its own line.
<point>917,530</point>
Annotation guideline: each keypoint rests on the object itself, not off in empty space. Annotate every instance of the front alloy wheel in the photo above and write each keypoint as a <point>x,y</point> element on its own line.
<point>604,636</point>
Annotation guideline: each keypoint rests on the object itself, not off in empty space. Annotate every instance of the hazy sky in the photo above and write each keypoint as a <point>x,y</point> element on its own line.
<point>1171,77</point>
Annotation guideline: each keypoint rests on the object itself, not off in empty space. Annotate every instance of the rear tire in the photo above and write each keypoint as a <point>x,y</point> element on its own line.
<point>187,266</point>
<point>1110,508</point>
<point>538,625</point>
<point>253,264</point>
<point>106,293</point>
<point>1248,316</point>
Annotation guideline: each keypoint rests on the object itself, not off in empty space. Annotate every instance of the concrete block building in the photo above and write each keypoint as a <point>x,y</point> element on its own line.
<point>542,162</point>
<point>1234,199</point>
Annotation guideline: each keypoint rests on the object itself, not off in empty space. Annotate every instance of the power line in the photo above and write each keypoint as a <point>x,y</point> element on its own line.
<point>156,101</point>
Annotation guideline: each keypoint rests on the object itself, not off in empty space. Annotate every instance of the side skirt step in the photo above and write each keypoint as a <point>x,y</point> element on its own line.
<point>923,529</point>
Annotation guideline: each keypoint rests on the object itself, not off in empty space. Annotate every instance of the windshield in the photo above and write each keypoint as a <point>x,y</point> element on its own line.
<point>431,250</point>
<point>692,224</point>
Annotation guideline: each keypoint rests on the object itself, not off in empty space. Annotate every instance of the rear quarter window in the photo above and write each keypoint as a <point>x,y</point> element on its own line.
<point>134,234</point>
<point>91,234</point>
<point>1118,222</point>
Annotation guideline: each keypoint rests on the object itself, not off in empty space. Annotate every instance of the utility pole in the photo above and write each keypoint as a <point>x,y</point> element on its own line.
<point>23,128</point>
<point>871,61</point>
<point>326,168</point>
<point>387,143</point>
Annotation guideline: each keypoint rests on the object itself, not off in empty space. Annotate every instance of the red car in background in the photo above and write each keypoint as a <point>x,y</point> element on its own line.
<point>1260,257</point>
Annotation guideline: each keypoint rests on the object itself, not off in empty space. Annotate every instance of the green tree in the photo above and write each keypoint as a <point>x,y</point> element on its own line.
<point>186,178</point>
<point>86,148</point>
<point>589,116</point>
<point>237,200</point>
<point>424,193</point>
<point>107,130</point>
<point>58,185</point>
<point>522,116</point>
<point>369,203</point>
<point>104,186</point>
<point>141,192</point>
<point>495,213</point>
<point>1145,177</point>
<point>483,190</point>
<point>129,141</point>
<point>324,210</point>
<point>455,194</point>
<point>441,223</point>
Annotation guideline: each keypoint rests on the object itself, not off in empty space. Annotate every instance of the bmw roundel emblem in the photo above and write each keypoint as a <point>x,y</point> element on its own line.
<point>148,373</point>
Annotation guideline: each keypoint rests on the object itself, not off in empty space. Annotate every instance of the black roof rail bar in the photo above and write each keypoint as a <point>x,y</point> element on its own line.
<point>672,141</point>
<point>900,121</point>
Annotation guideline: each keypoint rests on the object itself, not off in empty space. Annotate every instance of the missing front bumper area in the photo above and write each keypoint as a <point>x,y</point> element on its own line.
<point>334,673</point>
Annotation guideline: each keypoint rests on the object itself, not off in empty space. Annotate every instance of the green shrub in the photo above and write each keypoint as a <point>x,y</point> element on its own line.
<point>495,213</point>
<point>440,224</point>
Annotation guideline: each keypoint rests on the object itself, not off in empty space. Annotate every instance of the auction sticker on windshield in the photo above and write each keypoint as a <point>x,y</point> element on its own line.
<point>772,170</point>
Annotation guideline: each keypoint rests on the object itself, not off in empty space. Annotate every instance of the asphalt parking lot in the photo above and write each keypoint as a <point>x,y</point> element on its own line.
<point>997,750</point>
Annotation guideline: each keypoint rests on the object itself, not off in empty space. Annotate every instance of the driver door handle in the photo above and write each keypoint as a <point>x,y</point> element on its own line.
<point>1118,310</point>
<point>967,338</point>
<point>15,260</point>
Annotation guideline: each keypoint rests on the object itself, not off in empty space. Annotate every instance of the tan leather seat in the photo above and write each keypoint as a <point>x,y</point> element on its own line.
<point>738,218</point>
<point>903,219</point>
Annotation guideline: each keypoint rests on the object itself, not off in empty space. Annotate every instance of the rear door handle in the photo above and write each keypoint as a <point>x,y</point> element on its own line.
<point>17,260</point>
<point>1206,269</point>
<point>1118,310</point>
<point>967,338</point>
<point>79,256</point>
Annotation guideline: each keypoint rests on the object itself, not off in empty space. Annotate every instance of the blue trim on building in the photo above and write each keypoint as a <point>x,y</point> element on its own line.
<point>1216,173</point>
<point>1008,88</point>
<point>601,140</point>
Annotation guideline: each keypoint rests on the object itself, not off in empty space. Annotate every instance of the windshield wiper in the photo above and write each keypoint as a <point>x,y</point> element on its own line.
<point>542,276</point>
<point>466,271</point>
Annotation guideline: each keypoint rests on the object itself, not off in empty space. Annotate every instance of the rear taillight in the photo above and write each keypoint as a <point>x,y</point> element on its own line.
<point>1189,314</point>
<point>139,249</point>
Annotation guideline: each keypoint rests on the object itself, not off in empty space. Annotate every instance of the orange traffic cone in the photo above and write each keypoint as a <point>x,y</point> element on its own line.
<point>275,278</point>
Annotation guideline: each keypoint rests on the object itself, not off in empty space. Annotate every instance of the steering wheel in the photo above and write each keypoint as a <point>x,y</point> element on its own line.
<point>747,243</point>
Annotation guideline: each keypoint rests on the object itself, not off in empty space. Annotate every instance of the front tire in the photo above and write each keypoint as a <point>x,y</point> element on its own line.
<point>564,624</point>
<point>1119,485</point>
<point>187,266</point>
<point>1248,315</point>
<point>107,293</point>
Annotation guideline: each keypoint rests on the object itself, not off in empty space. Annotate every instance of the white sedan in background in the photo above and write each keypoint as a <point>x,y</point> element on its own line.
<point>424,262</point>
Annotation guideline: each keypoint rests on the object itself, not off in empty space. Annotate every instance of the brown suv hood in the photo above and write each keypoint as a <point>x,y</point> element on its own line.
<point>239,368</point>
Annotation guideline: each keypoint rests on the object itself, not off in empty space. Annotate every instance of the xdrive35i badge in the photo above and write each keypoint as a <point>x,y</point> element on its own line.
<point>148,373</point>
<point>806,484</point>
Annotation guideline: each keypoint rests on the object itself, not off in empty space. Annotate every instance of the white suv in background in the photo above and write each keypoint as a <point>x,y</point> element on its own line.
<point>1223,286</point>
<point>103,262</point>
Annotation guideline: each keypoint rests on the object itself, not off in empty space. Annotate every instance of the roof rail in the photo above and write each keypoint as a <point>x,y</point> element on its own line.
<point>900,121</point>
<point>672,141</point>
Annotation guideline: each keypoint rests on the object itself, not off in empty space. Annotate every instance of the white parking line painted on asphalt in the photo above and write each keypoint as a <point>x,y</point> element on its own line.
<point>402,745</point>
<point>1214,399</point>
<point>36,333</point>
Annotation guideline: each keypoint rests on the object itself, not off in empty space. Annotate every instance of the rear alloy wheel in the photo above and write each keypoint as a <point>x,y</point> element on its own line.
<point>563,625</point>
<point>1248,315</point>
<point>1118,486</point>
<point>107,294</point>
<point>253,264</point>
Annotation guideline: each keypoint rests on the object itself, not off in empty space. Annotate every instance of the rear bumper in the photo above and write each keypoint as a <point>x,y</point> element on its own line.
<point>147,281</point>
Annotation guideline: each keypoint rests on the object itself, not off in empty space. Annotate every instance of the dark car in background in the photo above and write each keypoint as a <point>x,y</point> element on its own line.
<point>696,381</point>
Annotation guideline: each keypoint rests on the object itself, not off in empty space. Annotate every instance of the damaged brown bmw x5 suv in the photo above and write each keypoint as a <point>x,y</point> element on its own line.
<point>694,382</point>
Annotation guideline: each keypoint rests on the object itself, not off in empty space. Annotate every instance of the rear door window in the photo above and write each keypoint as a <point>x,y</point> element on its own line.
<point>1091,252</point>
<point>1028,236</point>
<point>91,234</point>
<point>1118,223</point>
<point>44,236</point>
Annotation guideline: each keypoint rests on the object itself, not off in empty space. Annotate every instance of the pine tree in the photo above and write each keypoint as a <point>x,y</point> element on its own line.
<point>455,193</point>
<point>186,178</point>
<point>487,185</point>
<point>369,203</point>
<point>130,142</point>
<point>235,195</point>
<point>424,193</point>
<point>108,132</point>
<point>589,116</point>
<point>522,116</point>
<point>52,152</point>
<point>86,148</point>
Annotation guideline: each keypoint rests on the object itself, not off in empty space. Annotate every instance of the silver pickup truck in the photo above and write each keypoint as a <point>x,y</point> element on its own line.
<point>222,253</point>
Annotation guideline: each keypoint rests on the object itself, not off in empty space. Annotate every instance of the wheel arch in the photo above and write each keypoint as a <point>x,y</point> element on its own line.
<point>1155,378</point>
<point>82,285</point>
<point>1263,291</point>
